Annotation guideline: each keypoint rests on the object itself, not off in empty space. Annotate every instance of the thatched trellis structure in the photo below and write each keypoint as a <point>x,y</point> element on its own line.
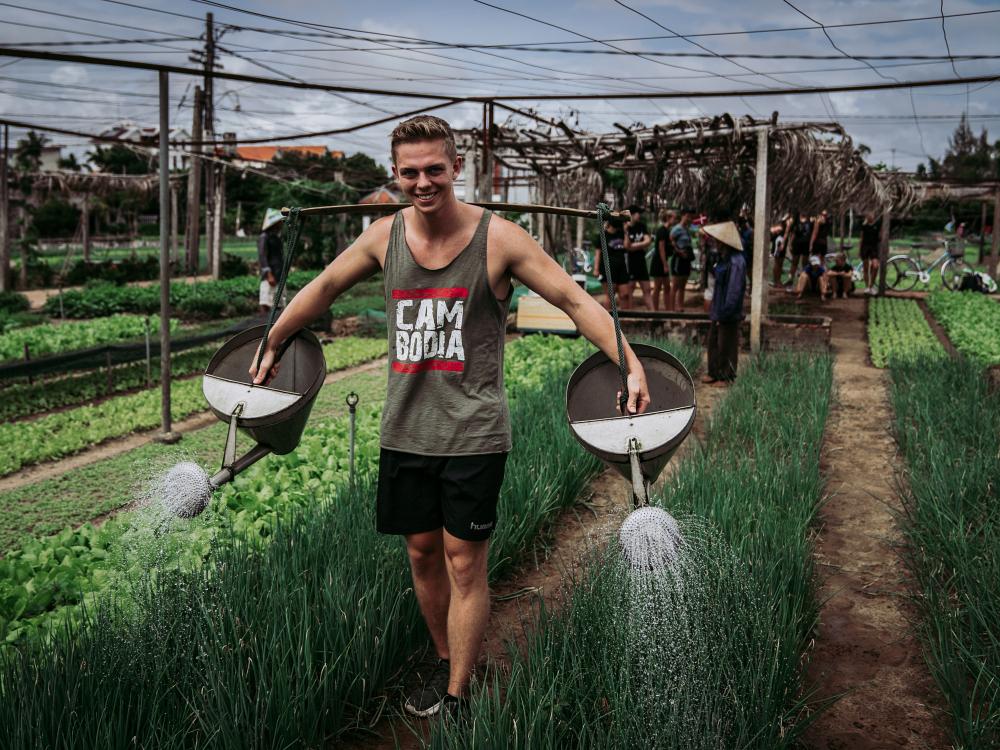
<point>705,163</point>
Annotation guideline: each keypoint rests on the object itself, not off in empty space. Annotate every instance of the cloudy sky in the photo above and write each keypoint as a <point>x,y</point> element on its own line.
<point>519,48</point>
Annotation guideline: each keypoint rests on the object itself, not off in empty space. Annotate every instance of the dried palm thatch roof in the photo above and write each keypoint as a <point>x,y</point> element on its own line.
<point>708,163</point>
<point>93,183</point>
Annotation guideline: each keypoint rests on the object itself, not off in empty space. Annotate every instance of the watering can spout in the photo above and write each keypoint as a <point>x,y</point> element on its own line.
<point>228,473</point>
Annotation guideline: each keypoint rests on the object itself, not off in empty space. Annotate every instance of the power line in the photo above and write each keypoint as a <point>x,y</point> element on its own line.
<point>947,46</point>
<point>834,44</point>
<point>109,40</point>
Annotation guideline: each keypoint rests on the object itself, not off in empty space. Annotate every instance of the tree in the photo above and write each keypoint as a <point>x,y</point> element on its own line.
<point>28,151</point>
<point>969,158</point>
<point>69,163</point>
<point>119,159</point>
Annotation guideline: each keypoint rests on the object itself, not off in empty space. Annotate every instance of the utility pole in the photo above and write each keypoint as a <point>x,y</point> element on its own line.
<point>167,435</point>
<point>209,135</point>
<point>193,236</point>
<point>5,279</point>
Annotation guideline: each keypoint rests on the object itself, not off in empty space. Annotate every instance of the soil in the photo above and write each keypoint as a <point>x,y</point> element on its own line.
<point>110,448</point>
<point>601,508</point>
<point>938,329</point>
<point>865,649</point>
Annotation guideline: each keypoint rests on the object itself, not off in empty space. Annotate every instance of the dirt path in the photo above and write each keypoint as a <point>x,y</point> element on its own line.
<point>865,647</point>
<point>111,448</point>
<point>602,507</point>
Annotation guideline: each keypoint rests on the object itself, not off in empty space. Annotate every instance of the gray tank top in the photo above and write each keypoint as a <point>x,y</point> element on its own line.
<point>446,334</point>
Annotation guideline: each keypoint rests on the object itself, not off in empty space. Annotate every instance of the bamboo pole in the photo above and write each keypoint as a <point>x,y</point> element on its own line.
<point>195,167</point>
<point>388,208</point>
<point>883,248</point>
<point>761,232</point>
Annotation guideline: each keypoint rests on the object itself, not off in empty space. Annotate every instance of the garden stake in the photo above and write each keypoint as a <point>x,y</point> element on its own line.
<point>352,406</point>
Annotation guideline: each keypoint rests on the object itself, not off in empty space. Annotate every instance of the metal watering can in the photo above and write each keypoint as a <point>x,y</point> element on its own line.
<point>274,415</point>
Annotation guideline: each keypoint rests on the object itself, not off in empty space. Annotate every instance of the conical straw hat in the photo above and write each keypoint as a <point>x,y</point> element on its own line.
<point>271,217</point>
<point>725,232</point>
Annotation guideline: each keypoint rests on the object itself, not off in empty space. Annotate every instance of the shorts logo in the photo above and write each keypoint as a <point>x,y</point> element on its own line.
<point>480,526</point>
<point>429,329</point>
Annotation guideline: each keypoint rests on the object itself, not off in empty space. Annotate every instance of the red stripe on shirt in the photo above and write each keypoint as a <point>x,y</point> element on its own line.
<point>429,364</point>
<point>452,292</point>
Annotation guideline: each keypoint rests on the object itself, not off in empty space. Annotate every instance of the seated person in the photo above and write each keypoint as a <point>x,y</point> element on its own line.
<point>812,278</point>
<point>840,277</point>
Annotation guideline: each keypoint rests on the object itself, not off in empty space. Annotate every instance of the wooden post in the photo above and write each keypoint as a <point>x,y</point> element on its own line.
<point>761,232</point>
<point>5,279</point>
<point>215,226</point>
<point>579,231</point>
<point>486,173</point>
<point>174,217</point>
<point>27,358</point>
<point>85,227</point>
<point>883,247</point>
<point>982,231</point>
<point>22,231</point>
<point>995,245</point>
<point>167,434</point>
<point>110,381</point>
<point>193,233</point>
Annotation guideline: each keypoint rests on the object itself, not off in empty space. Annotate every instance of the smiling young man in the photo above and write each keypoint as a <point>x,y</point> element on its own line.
<point>448,270</point>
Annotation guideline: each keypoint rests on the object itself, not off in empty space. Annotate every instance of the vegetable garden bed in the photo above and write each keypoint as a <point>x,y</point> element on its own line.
<point>63,433</point>
<point>248,639</point>
<point>972,321</point>
<point>723,670</point>
<point>947,426</point>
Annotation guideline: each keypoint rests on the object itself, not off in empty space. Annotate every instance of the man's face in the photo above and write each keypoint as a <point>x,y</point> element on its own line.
<point>426,174</point>
<point>685,219</point>
<point>635,216</point>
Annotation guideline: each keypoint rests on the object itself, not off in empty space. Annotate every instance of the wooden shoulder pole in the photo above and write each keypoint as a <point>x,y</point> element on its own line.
<point>761,232</point>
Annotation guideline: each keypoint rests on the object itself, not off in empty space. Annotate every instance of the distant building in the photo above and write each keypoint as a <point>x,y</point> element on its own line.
<point>49,161</point>
<point>261,156</point>
<point>148,136</point>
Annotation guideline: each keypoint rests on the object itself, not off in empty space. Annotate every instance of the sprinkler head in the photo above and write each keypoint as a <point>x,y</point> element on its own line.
<point>186,491</point>
<point>650,539</point>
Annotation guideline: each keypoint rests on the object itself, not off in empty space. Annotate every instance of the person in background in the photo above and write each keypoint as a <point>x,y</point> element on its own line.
<point>840,277</point>
<point>745,227</point>
<point>615,234</point>
<point>779,238</point>
<point>801,233</point>
<point>637,241</point>
<point>270,257</point>
<point>870,230</point>
<point>726,311</point>
<point>659,267</point>
<point>812,279</point>
<point>709,258</point>
<point>819,242</point>
<point>680,261</point>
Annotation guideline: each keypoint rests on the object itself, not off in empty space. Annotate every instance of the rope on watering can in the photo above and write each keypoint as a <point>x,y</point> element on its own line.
<point>293,227</point>
<point>603,210</point>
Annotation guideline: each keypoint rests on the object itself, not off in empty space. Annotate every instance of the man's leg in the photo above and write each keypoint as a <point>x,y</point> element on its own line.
<point>646,289</point>
<point>712,346</point>
<point>470,607</point>
<point>431,584</point>
<point>729,349</point>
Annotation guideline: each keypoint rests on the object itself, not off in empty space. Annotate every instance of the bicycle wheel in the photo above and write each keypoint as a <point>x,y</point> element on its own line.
<point>952,272</point>
<point>901,274</point>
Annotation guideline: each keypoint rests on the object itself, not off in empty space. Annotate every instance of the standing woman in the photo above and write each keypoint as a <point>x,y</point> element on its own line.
<point>726,311</point>
<point>819,243</point>
<point>660,265</point>
<point>618,282</point>
<point>680,262</point>
<point>802,230</point>
<point>870,230</point>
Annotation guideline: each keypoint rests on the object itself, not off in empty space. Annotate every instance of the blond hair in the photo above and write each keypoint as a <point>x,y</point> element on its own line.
<point>666,214</point>
<point>424,128</point>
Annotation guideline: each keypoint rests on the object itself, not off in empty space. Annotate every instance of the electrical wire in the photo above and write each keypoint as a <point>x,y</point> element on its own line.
<point>947,46</point>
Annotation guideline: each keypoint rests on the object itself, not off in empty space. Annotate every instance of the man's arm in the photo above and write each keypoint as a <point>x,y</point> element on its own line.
<point>813,236</point>
<point>265,267</point>
<point>356,263</point>
<point>661,248</point>
<point>525,260</point>
<point>642,244</point>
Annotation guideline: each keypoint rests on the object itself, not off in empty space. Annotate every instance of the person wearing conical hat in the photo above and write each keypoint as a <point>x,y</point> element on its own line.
<point>270,257</point>
<point>726,311</point>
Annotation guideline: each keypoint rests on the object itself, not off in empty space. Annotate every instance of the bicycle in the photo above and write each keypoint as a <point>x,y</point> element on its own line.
<point>902,272</point>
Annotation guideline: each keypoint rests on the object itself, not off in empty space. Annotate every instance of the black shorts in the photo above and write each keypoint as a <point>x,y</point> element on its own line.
<point>869,253</point>
<point>799,251</point>
<point>635,261</point>
<point>619,268</point>
<point>423,493</point>
<point>680,267</point>
<point>656,269</point>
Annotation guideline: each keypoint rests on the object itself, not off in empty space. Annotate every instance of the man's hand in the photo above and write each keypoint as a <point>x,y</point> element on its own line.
<point>638,392</point>
<point>271,280</point>
<point>268,367</point>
